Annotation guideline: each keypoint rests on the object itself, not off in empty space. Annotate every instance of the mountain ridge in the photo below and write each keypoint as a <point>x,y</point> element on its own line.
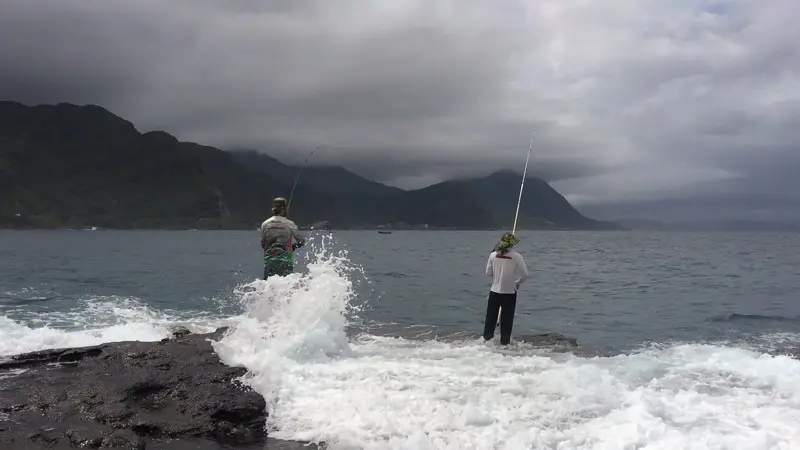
<point>67,165</point>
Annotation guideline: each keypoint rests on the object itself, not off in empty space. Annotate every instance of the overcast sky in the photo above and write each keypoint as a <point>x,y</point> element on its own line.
<point>641,107</point>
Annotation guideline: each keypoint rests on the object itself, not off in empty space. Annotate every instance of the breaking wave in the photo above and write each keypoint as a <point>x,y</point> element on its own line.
<point>389,392</point>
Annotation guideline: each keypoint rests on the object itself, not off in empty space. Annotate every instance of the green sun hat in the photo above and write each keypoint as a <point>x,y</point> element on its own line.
<point>507,241</point>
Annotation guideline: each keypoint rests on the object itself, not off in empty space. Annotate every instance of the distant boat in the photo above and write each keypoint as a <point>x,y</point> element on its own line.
<point>384,232</point>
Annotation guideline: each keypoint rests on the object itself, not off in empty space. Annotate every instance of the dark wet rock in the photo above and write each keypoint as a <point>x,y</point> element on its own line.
<point>548,340</point>
<point>129,395</point>
<point>790,352</point>
<point>179,332</point>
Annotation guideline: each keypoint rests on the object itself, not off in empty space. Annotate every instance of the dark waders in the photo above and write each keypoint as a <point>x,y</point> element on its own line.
<point>509,303</point>
<point>277,267</point>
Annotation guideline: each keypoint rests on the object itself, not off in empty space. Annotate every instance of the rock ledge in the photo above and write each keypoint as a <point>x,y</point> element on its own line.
<point>132,395</point>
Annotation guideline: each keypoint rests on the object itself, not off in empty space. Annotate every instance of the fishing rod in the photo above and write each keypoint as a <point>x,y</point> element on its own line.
<point>519,201</point>
<point>522,185</point>
<point>297,178</point>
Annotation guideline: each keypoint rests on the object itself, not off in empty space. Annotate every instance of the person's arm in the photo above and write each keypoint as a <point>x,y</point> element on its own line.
<point>489,268</point>
<point>522,270</point>
<point>297,240</point>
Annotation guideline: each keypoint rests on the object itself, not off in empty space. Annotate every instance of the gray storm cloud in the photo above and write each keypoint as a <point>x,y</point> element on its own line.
<point>635,102</point>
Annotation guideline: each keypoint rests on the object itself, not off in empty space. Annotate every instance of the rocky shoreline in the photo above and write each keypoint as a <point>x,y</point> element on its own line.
<point>173,394</point>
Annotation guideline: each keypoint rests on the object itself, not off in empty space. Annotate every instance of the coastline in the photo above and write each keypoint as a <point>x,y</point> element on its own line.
<point>254,227</point>
<point>172,394</point>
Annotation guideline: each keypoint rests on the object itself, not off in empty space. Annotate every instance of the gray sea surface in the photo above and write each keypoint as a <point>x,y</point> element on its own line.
<point>613,290</point>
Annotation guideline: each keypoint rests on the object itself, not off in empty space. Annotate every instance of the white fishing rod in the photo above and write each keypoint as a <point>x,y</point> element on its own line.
<point>519,201</point>
<point>522,185</point>
<point>297,178</point>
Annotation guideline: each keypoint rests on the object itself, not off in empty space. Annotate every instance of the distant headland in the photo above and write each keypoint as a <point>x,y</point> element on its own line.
<point>69,166</point>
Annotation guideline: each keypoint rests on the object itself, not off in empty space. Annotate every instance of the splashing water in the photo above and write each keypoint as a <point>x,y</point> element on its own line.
<point>299,318</point>
<point>392,393</point>
<point>96,321</point>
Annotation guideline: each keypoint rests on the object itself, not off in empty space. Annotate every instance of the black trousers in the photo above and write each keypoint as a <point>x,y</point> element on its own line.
<point>509,303</point>
<point>277,267</point>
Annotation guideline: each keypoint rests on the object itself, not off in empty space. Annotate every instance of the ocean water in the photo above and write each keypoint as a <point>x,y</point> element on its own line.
<point>374,343</point>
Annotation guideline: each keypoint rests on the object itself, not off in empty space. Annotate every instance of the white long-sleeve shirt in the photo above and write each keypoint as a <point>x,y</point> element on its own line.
<point>506,271</point>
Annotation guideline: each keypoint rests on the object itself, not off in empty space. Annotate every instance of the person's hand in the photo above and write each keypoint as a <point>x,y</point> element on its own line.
<point>516,286</point>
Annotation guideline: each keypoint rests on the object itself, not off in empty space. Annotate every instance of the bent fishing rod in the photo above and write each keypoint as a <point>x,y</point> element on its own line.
<point>297,178</point>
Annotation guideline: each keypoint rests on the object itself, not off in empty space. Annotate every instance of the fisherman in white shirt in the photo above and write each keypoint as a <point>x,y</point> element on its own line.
<point>508,270</point>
